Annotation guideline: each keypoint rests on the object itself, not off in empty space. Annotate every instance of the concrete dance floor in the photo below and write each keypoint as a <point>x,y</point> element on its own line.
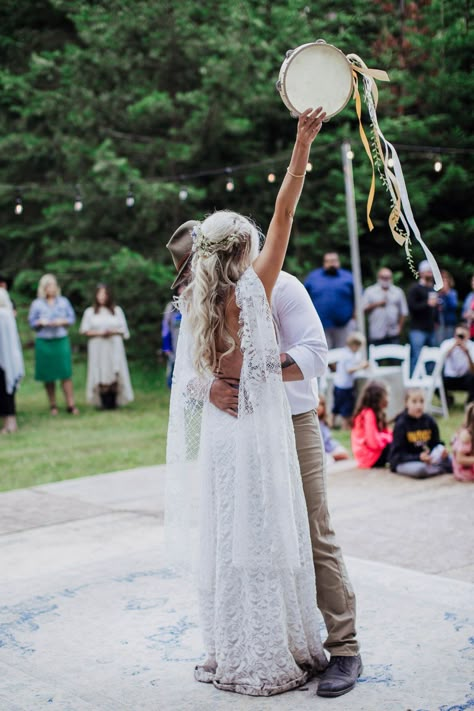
<point>92,620</point>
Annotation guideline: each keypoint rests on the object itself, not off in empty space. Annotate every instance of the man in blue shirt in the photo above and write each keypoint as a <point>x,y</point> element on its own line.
<point>332,292</point>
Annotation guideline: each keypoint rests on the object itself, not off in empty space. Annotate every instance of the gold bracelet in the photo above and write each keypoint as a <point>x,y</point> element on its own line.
<point>293,175</point>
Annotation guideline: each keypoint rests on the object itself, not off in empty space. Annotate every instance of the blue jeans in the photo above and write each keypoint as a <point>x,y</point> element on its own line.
<point>418,339</point>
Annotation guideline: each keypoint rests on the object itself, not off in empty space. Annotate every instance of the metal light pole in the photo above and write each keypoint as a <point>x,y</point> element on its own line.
<point>353,237</point>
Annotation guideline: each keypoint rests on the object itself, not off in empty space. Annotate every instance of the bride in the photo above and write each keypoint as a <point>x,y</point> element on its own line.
<point>235,509</point>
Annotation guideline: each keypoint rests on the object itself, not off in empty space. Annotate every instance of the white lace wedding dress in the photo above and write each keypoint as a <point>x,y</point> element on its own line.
<point>239,513</point>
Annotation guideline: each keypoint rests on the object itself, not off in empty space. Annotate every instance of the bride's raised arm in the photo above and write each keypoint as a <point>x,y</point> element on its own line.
<point>270,260</point>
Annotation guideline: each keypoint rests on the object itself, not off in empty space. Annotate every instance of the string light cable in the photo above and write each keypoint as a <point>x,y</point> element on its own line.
<point>62,189</point>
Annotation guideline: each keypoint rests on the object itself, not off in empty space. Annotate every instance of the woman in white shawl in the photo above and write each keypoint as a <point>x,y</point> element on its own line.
<point>233,484</point>
<point>11,363</point>
<point>108,378</point>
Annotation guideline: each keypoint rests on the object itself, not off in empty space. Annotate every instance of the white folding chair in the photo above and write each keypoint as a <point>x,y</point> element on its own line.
<point>430,382</point>
<point>391,351</point>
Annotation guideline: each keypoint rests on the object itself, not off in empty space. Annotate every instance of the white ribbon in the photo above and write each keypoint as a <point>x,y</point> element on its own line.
<point>395,180</point>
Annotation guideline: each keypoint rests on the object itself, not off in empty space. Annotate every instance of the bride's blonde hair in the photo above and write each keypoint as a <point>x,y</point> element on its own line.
<point>224,245</point>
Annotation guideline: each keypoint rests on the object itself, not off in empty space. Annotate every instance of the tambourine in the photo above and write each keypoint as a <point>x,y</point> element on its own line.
<point>319,74</point>
<point>315,74</point>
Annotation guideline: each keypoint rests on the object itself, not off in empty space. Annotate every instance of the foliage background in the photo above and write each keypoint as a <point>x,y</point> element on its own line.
<point>107,94</point>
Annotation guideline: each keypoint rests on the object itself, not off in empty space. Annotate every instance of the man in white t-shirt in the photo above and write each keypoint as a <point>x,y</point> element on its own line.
<point>458,371</point>
<point>386,308</point>
<point>303,358</point>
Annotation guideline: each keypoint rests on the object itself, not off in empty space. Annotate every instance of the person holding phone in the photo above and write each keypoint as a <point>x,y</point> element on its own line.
<point>458,371</point>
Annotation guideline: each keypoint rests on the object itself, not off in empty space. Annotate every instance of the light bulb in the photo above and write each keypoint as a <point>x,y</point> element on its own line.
<point>18,206</point>
<point>130,200</point>
<point>229,186</point>
<point>271,177</point>
<point>309,167</point>
<point>78,205</point>
<point>438,166</point>
<point>183,194</point>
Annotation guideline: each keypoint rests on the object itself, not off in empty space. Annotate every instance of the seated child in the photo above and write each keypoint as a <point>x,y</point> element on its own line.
<point>417,450</point>
<point>370,437</point>
<point>334,451</point>
<point>463,448</point>
<point>347,366</point>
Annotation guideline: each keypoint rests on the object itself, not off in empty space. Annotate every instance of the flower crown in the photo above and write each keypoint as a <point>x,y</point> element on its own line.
<point>205,247</point>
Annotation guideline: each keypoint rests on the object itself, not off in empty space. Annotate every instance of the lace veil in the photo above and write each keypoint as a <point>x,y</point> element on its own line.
<point>259,445</point>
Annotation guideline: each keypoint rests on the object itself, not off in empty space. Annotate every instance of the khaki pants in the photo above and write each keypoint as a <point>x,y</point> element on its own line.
<point>335,596</point>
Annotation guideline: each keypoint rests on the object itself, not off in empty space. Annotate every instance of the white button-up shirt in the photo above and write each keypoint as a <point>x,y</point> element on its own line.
<point>457,362</point>
<point>301,335</point>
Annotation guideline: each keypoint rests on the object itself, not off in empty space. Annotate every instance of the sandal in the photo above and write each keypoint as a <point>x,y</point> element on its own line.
<point>54,410</point>
<point>73,410</point>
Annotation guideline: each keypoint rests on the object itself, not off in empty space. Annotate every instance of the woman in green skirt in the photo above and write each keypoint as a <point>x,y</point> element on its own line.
<point>50,316</point>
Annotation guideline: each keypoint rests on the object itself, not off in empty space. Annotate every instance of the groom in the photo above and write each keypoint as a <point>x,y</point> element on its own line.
<point>303,358</point>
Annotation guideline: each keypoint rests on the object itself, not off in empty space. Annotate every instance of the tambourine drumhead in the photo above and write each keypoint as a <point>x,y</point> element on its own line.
<point>316,74</point>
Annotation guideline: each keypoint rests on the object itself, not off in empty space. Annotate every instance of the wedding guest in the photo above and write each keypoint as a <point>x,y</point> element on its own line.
<point>50,316</point>
<point>344,378</point>
<point>417,450</point>
<point>11,363</point>
<point>332,292</point>
<point>468,309</point>
<point>370,436</point>
<point>386,309</point>
<point>6,283</point>
<point>335,452</point>
<point>447,308</point>
<point>458,369</point>
<point>108,379</point>
<point>423,306</point>
<point>463,448</point>
<point>169,336</point>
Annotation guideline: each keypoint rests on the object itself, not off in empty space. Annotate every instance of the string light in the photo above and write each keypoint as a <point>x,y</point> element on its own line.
<point>78,204</point>
<point>130,199</point>
<point>433,153</point>
<point>229,186</point>
<point>18,205</point>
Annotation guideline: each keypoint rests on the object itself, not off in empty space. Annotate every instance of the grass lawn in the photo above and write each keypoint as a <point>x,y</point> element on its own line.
<point>49,448</point>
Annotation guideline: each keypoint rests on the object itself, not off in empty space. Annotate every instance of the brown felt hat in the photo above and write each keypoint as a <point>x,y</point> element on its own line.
<point>180,246</point>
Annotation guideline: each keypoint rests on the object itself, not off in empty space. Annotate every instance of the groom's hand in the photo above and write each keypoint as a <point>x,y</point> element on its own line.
<point>224,395</point>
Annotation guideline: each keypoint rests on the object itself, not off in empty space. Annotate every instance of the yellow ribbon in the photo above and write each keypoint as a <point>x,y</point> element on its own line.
<point>395,212</point>
<point>365,142</point>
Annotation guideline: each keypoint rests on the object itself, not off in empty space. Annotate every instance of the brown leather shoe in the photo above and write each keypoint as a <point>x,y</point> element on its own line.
<point>340,676</point>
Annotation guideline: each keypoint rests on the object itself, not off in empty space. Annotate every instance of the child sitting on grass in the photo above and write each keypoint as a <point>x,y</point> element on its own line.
<point>370,437</point>
<point>463,448</point>
<point>334,451</point>
<point>417,450</point>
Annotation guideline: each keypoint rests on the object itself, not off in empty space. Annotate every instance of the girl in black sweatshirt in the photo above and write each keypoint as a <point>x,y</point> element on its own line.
<point>417,450</point>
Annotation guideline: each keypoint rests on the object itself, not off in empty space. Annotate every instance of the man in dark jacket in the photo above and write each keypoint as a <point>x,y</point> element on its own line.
<point>423,307</point>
